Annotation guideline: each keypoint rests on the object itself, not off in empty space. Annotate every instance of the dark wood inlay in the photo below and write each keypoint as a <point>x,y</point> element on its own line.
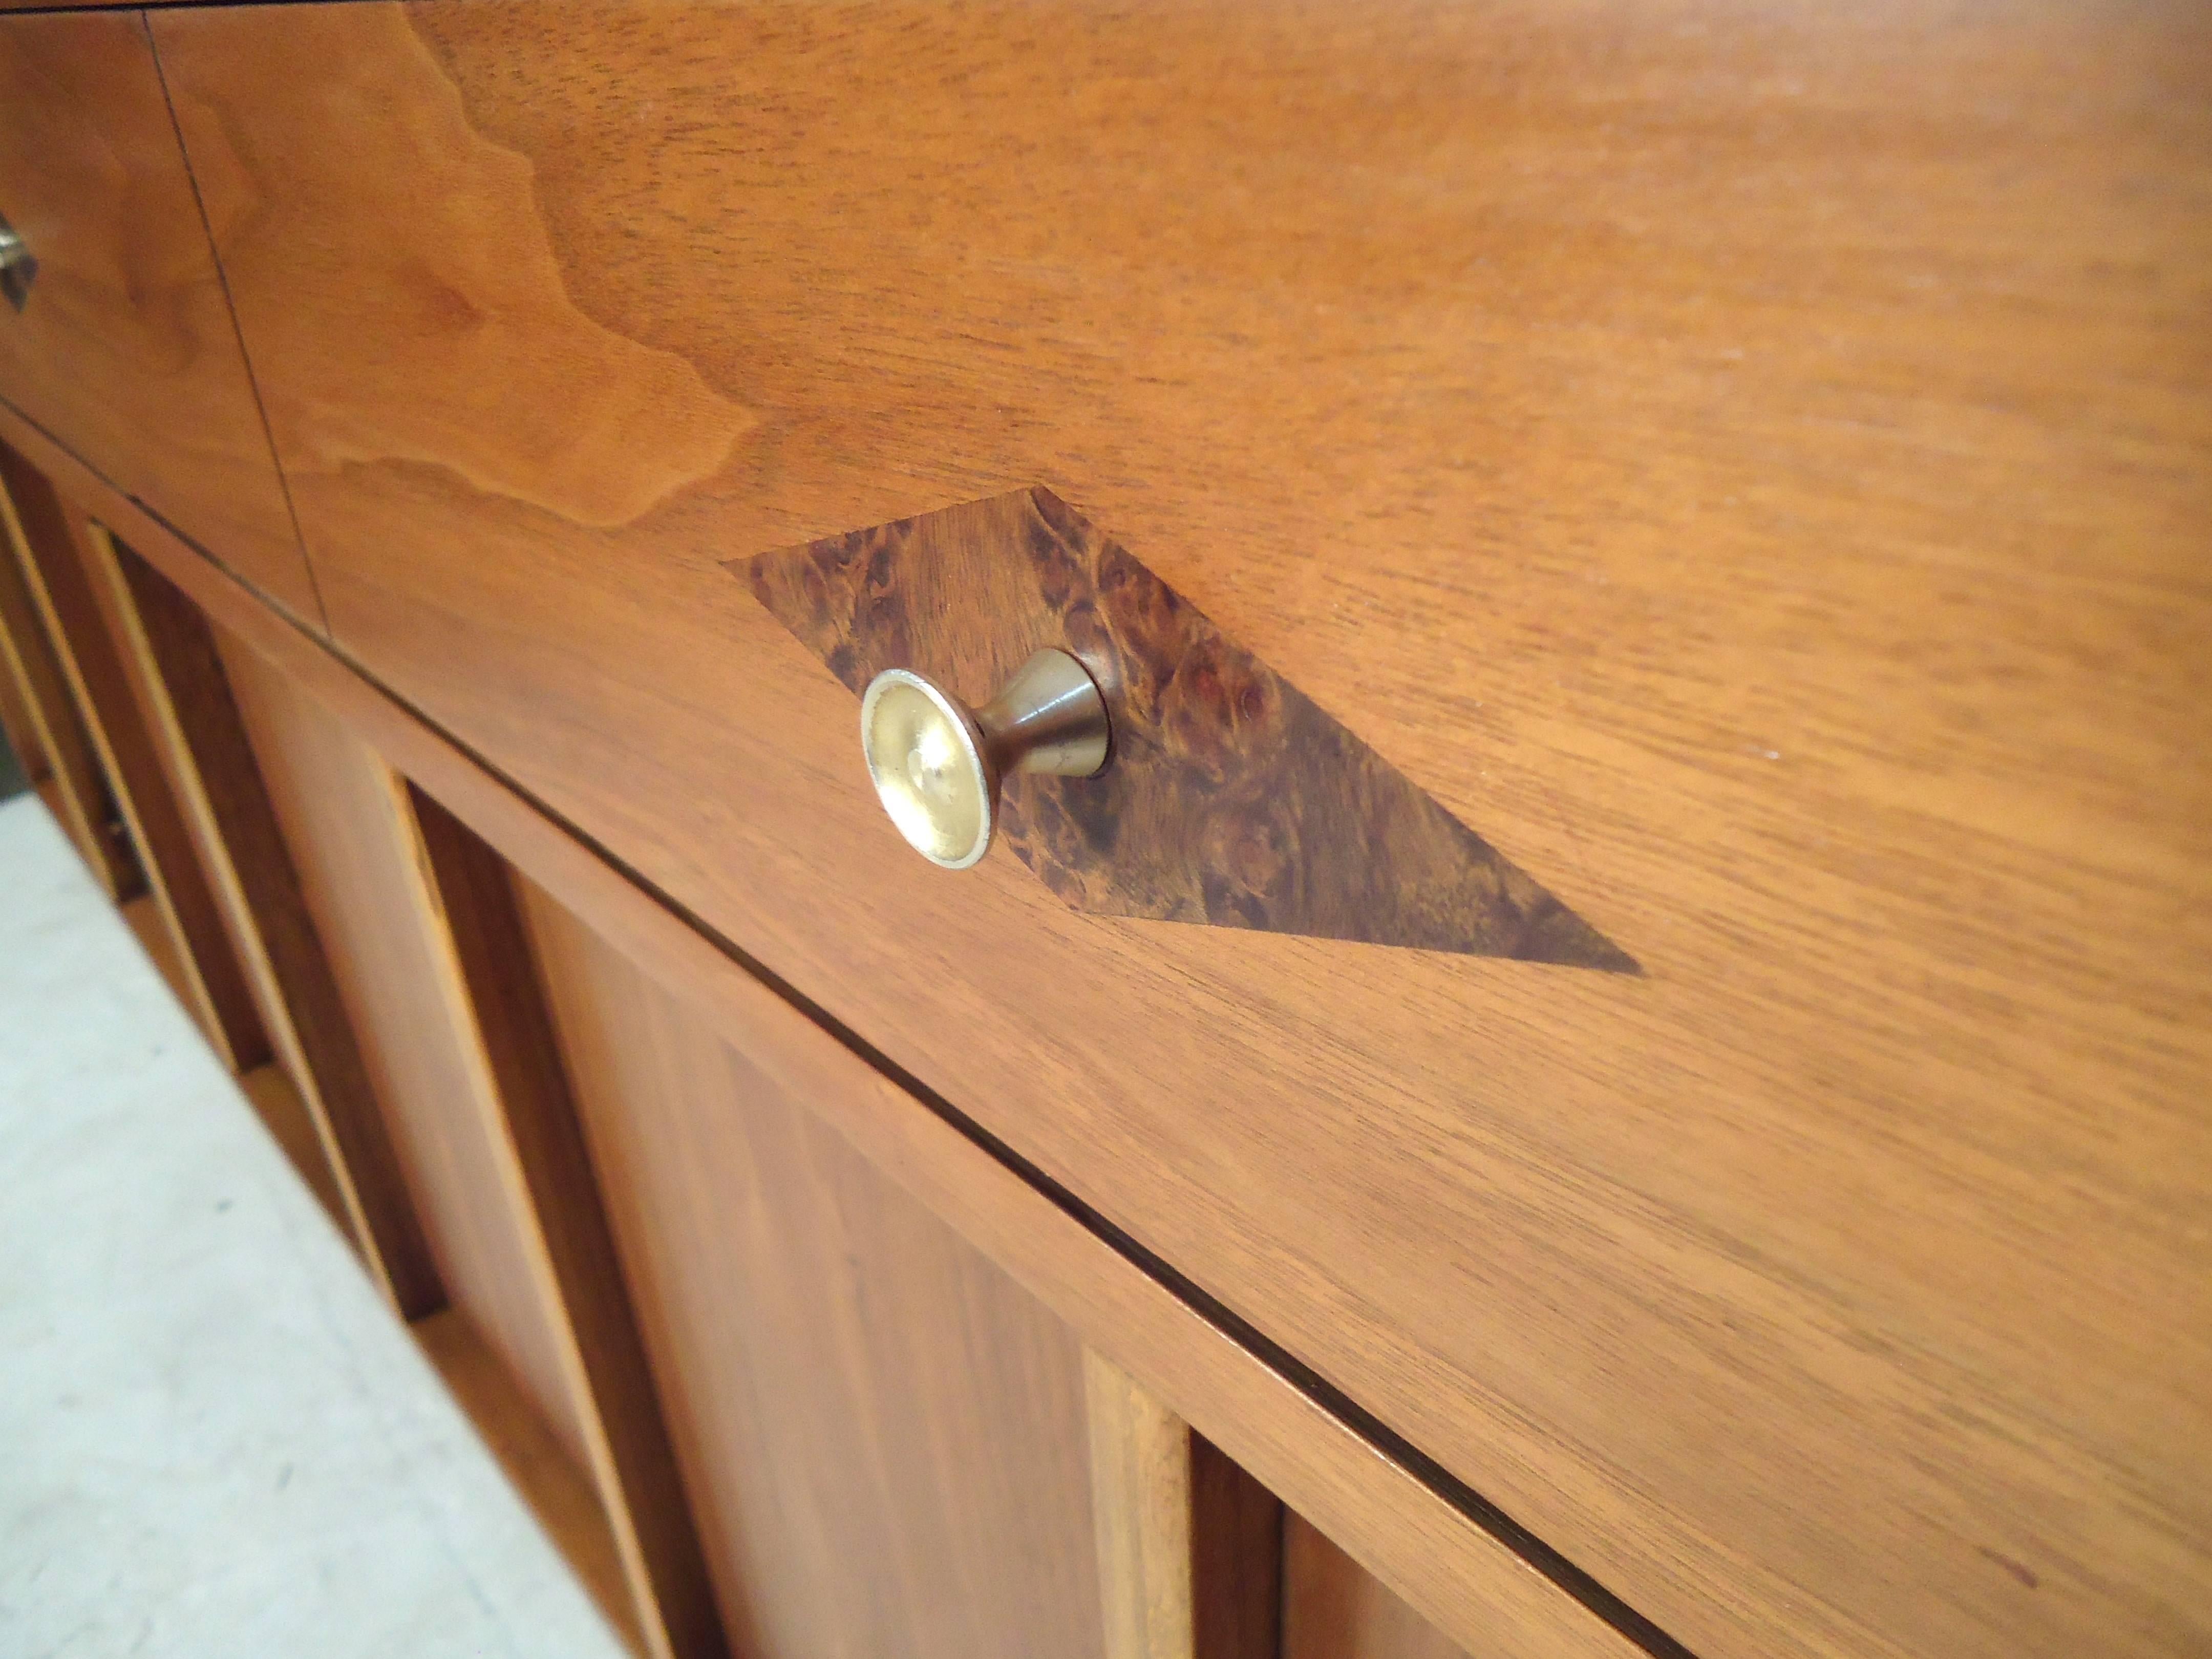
<point>1232,797</point>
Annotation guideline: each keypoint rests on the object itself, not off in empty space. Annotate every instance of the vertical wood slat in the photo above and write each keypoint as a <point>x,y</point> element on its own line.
<point>469,907</point>
<point>1190,1545</point>
<point>181,678</point>
<point>15,727</point>
<point>283,1092</point>
<point>283,1110</point>
<point>53,548</point>
<point>1140,1502</point>
<point>559,1491</point>
<point>178,678</point>
<point>74,786</point>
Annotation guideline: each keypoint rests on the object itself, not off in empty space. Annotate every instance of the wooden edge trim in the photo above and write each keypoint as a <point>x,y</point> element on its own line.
<point>488,982</point>
<point>15,715</point>
<point>191,677</point>
<point>175,856</point>
<point>284,1112</point>
<point>1142,1511</point>
<point>79,793</point>
<point>555,1486</point>
<point>53,551</point>
<point>1237,1558</point>
<point>1461,1576</point>
<point>1190,1546</point>
<point>217,755</point>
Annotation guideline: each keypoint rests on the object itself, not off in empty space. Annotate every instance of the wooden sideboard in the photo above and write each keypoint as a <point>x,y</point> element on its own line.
<point>1616,1062</point>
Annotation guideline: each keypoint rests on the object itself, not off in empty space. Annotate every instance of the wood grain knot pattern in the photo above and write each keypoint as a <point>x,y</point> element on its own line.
<point>1232,797</point>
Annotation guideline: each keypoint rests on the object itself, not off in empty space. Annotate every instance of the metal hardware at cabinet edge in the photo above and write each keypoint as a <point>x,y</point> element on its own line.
<point>938,764</point>
<point>17,266</point>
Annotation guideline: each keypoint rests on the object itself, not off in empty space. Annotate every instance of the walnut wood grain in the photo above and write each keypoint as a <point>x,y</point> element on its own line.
<point>59,755</point>
<point>16,730</point>
<point>56,547</point>
<point>470,910</point>
<point>1333,1608</point>
<point>167,655</point>
<point>1190,1545</point>
<point>884,1436</point>
<point>1445,1560</point>
<point>1140,1507</point>
<point>1230,798</point>
<point>220,780</point>
<point>348,829</point>
<point>1751,465</point>
<point>559,1494</point>
<point>1237,1559</point>
<point>125,348</point>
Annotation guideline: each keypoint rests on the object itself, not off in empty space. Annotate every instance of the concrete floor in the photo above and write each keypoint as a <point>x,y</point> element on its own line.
<point>213,1439</point>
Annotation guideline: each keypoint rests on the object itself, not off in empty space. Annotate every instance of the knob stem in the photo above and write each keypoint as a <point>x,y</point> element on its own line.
<point>937,764</point>
<point>1049,718</point>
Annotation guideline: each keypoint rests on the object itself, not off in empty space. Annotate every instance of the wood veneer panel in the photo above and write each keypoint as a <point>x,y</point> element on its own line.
<point>469,907</point>
<point>283,1110</point>
<point>1446,1557</point>
<point>883,1436</point>
<point>1140,1506</point>
<point>563,1498</point>
<point>143,916</point>
<point>1190,1545</point>
<point>158,705</point>
<point>73,786</point>
<point>1228,799</point>
<point>171,656</point>
<point>349,827</point>
<point>1752,467</point>
<point>15,727</point>
<point>54,545</point>
<point>481,966</point>
<point>125,348</point>
<point>1333,1608</point>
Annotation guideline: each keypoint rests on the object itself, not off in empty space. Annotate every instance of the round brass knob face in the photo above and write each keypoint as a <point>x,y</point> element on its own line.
<point>927,760</point>
<point>937,764</point>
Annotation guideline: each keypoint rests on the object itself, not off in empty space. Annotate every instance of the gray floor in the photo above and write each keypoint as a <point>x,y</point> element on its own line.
<point>214,1440</point>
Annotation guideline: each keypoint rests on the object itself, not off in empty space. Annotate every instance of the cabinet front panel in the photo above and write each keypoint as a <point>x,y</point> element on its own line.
<point>1333,1609</point>
<point>1751,471</point>
<point>343,813</point>
<point>884,1437</point>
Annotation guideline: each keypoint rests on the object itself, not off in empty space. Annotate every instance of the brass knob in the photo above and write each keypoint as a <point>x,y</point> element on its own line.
<point>17,267</point>
<point>937,764</point>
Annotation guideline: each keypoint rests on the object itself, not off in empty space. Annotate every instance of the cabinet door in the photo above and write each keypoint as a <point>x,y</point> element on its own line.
<point>884,1437</point>
<point>345,821</point>
<point>116,336</point>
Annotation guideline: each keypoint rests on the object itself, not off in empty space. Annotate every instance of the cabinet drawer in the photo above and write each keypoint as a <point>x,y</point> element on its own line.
<point>1737,475</point>
<point>116,336</point>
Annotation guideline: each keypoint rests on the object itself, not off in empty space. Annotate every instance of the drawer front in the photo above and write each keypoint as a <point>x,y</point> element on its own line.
<point>116,336</point>
<point>1750,478</point>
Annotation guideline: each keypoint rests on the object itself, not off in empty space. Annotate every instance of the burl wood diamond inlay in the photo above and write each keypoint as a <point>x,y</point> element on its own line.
<point>1231,797</point>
